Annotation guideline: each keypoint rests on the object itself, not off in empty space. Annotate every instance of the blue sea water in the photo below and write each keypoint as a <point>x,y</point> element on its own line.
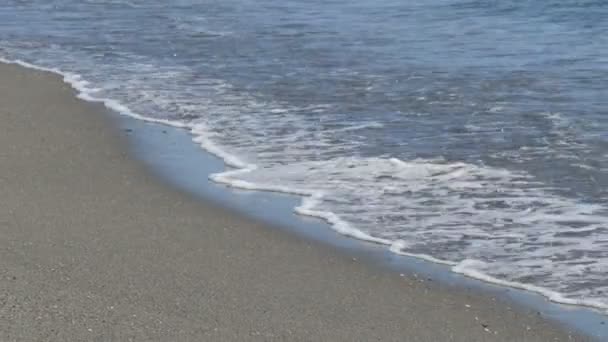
<point>472,133</point>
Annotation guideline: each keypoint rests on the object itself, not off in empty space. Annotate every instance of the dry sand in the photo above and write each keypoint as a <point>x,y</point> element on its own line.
<point>94,248</point>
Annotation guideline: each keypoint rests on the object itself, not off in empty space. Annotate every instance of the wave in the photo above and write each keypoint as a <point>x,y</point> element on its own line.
<point>435,189</point>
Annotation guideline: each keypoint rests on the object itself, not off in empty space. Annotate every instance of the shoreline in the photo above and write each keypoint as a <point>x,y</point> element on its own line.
<point>232,164</point>
<point>96,247</point>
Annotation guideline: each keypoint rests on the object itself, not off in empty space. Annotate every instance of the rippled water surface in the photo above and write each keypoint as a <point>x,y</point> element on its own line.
<point>471,132</point>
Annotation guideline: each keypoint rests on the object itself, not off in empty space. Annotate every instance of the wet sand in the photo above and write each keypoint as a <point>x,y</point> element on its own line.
<point>93,247</point>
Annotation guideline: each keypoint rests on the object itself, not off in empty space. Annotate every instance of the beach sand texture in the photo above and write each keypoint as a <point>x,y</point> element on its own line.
<point>95,248</point>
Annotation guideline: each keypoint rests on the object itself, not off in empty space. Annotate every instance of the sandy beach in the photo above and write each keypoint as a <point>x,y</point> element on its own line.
<point>94,248</point>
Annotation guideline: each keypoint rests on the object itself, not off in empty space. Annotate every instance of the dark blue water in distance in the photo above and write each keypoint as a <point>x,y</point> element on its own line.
<point>473,133</point>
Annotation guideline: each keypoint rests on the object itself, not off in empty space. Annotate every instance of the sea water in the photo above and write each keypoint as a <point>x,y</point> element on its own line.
<point>471,133</point>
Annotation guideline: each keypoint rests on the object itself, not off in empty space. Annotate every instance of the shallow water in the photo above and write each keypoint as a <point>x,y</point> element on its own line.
<point>471,133</point>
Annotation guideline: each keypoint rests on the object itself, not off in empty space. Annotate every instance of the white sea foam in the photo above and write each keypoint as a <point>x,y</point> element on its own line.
<point>474,269</point>
<point>488,223</point>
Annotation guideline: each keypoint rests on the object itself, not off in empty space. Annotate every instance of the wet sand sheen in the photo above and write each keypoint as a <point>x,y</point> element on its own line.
<point>93,247</point>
